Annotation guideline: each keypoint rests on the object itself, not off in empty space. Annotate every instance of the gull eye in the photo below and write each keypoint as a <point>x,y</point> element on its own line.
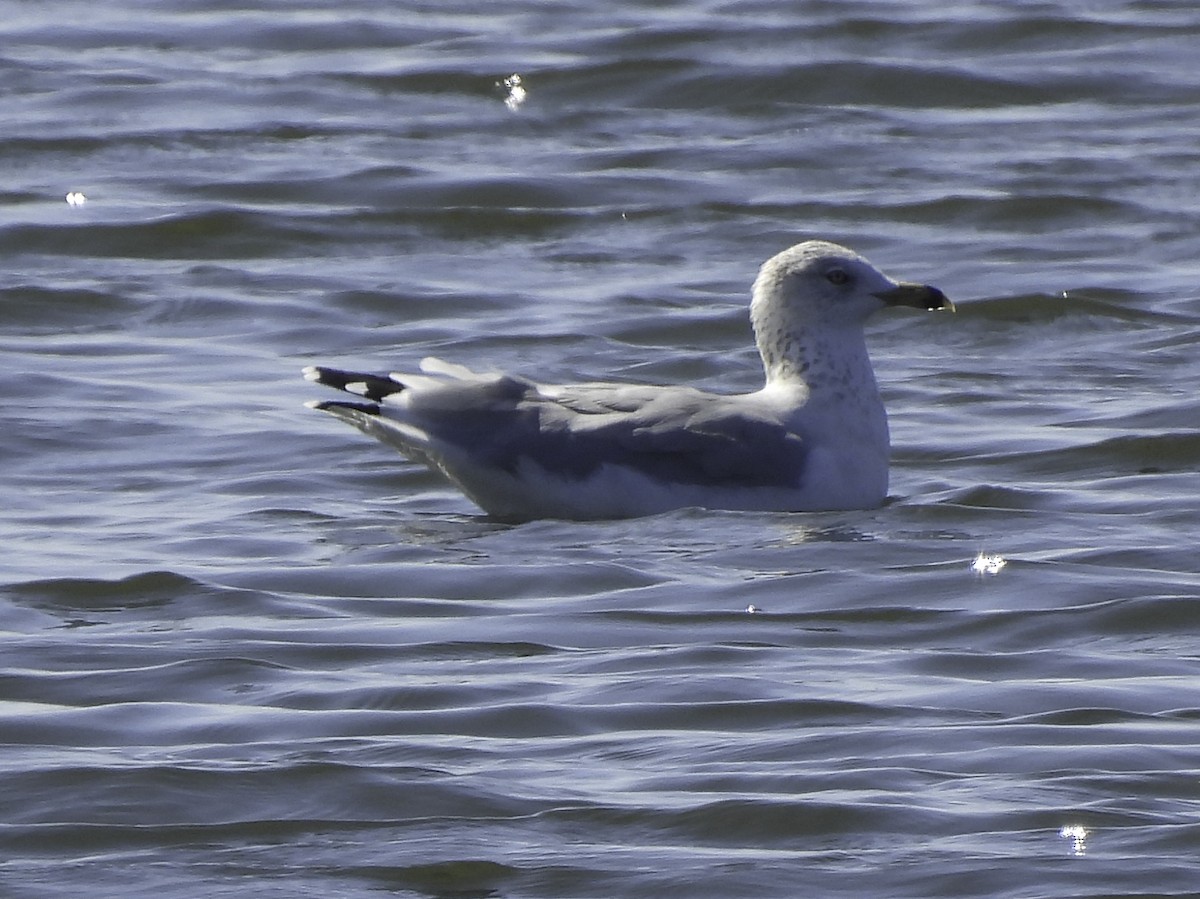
<point>837,276</point>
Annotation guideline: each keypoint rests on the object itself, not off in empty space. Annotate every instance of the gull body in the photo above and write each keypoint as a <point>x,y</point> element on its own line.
<point>813,438</point>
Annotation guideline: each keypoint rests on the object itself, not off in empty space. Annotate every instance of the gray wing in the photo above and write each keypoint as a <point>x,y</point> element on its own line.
<point>672,434</point>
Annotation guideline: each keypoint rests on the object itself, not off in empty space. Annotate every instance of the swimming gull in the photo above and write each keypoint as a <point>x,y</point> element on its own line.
<point>814,437</point>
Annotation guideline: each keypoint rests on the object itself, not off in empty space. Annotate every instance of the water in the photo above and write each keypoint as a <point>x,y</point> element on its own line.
<point>247,651</point>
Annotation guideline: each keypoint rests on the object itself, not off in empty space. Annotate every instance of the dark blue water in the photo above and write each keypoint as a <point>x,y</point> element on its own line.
<point>247,651</point>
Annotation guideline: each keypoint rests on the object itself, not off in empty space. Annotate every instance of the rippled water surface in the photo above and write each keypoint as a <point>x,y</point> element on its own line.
<point>249,652</point>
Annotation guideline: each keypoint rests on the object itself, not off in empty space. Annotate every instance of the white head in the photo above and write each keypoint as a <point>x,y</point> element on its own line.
<point>810,303</point>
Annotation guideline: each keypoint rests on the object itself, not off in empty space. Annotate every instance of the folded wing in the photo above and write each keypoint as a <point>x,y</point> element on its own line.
<point>670,434</point>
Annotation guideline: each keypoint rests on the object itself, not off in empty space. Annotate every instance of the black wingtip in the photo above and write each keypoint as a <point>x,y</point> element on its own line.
<point>368,386</point>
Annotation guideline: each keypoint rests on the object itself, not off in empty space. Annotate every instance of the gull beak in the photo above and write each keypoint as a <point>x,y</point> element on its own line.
<point>919,296</point>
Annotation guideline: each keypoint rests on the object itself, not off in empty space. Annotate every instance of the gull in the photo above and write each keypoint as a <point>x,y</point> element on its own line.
<point>813,438</point>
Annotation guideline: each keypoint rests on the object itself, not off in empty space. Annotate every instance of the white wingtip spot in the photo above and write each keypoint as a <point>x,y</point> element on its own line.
<point>311,373</point>
<point>358,388</point>
<point>313,404</point>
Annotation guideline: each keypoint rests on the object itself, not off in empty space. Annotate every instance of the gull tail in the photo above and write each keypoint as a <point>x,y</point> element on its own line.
<point>390,427</point>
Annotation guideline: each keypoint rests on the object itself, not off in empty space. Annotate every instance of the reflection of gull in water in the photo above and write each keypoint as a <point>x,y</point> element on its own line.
<point>814,437</point>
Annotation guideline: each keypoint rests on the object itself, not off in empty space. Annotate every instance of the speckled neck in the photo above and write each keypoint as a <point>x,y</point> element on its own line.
<point>821,358</point>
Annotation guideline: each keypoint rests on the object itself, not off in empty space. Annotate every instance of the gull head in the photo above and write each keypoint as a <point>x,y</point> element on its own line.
<point>810,303</point>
